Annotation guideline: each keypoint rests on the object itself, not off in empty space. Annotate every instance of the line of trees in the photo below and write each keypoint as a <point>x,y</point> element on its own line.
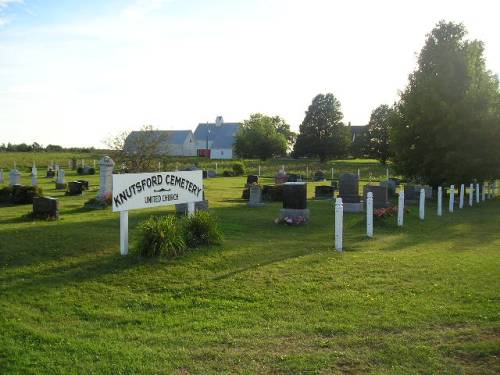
<point>36,147</point>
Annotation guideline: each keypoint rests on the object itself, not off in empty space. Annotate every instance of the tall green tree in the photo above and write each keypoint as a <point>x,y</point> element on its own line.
<point>322,133</point>
<point>259,137</point>
<point>378,132</point>
<point>448,127</point>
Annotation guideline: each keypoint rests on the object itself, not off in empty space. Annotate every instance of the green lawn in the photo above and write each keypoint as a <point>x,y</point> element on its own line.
<point>271,299</point>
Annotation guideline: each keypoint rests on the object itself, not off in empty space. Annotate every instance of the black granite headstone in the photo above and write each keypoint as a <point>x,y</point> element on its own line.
<point>85,184</point>
<point>380,195</point>
<point>349,188</point>
<point>75,188</point>
<point>319,176</point>
<point>45,207</point>
<point>295,195</point>
<point>50,173</point>
<point>252,179</point>
<point>323,192</point>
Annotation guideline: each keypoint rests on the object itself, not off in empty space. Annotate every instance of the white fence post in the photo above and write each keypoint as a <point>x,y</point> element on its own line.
<point>369,214</point>
<point>123,232</point>
<point>452,198</point>
<point>421,211</point>
<point>339,217</point>
<point>477,193</point>
<point>462,193</point>
<point>471,194</point>
<point>440,201</point>
<point>401,208</point>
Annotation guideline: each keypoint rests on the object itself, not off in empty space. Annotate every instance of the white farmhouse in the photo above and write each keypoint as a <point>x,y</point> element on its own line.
<point>216,140</point>
<point>177,142</point>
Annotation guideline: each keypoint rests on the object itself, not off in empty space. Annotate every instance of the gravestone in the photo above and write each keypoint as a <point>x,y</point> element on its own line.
<point>323,192</point>
<point>428,191</point>
<point>292,177</point>
<point>295,200</point>
<point>34,173</point>
<point>205,174</point>
<point>391,187</point>
<point>50,173</point>
<point>281,177</point>
<point>45,207</point>
<point>349,192</point>
<point>380,195</point>
<point>1,176</point>
<point>182,209</point>
<point>412,193</point>
<point>75,188</point>
<point>319,176</point>
<point>252,179</point>
<point>335,185</point>
<point>85,184</point>
<point>60,184</point>
<point>211,174</point>
<point>106,165</point>
<point>255,197</point>
<point>14,177</point>
<point>74,164</point>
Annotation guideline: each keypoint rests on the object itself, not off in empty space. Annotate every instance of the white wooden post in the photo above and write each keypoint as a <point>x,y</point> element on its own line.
<point>452,198</point>
<point>471,194</point>
<point>421,211</point>
<point>190,208</point>
<point>462,193</point>
<point>123,232</point>
<point>401,208</point>
<point>339,217</point>
<point>369,214</point>
<point>359,174</point>
<point>440,201</point>
<point>477,193</point>
<point>484,192</point>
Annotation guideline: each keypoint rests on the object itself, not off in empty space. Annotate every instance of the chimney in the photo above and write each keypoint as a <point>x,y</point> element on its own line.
<point>219,121</point>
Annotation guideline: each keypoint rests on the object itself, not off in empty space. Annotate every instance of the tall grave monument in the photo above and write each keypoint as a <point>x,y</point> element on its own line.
<point>106,165</point>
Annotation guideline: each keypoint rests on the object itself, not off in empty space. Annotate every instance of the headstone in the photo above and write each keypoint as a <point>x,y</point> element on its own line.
<point>74,164</point>
<point>85,184</point>
<point>411,193</point>
<point>14,177</point>
<point>75,188</point>
<point>50,173</point>
<point>34,174</point>
<point>106,165</point>
<point>292,177</point>
<point>45,207</point>
<point>280,177</point>
<point>183,208</point>
<point>319,176</point>
<point>1,176</point>
<point>323,192</point>
<point>428,191</point>
<point>255,198</point>
<point>60,184</point>
<point>56,167</point>
<point>252,179</point>
<point>212,174</point>
<point>380,196</point>
<point>349,192</point>
<point>391,187</point>
<point>205,174</point>
<point>295,201</point>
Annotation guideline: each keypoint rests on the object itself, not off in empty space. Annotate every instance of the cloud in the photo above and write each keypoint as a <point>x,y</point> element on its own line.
<point>4,4</point>
<point>141,9</point>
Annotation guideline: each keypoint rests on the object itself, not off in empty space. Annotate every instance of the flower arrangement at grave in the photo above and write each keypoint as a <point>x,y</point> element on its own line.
<point>291,220</point>
<point>382,213</point>
<point>100,202</point>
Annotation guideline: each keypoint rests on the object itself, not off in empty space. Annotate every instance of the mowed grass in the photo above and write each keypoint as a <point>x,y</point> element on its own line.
<point>271,299</point>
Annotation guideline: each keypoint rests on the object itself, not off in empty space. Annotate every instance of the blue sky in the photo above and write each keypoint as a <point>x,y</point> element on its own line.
<point>76,72</point>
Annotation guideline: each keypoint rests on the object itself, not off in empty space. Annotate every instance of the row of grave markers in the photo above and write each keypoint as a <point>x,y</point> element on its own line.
<point>339,208</point>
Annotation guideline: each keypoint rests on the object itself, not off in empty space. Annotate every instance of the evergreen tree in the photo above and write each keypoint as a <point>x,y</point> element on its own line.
<point>322,133</point>
<point>378,133</point>
<point>448,126</point>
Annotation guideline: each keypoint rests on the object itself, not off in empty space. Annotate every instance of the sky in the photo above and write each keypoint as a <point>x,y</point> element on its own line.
<point>75,73</point>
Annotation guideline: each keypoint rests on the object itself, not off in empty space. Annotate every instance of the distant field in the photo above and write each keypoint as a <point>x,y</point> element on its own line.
<point>369,169</point>
<point>270,300</point>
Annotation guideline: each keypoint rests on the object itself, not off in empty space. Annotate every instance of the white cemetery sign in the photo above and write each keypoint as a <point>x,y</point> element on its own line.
<point>146,190</point>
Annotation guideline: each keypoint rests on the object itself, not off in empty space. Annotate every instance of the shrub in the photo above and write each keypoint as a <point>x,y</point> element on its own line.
<point>228,174</point>
<point>79,170</point>
<point>238,169</point>
<point>201,229</point>
<point>5,194</point>
<point>161,236</point>
<point>91,170</point>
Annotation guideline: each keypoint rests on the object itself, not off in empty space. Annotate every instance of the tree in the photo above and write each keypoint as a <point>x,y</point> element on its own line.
<point>448,118</point>
<point>378,133</point>
<point>138,150</point>
<point>360,145</point>
<point>259,137</point>
<point>283,128</point>
<point>322,133</point>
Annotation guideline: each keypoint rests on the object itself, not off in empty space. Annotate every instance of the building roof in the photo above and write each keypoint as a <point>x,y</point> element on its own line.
<point>357,129</point>
<point>168,137</point>
<point>221,136</point>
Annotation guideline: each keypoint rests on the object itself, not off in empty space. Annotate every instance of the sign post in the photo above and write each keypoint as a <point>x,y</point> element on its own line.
<point>147,190</point>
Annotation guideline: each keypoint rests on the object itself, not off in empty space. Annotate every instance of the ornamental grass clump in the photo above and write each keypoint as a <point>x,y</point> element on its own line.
<point>162,235</point>
<point>201,229</point>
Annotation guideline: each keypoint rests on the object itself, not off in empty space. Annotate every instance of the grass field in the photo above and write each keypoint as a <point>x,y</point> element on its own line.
<point>369,169</point>
<point>271,299</point>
